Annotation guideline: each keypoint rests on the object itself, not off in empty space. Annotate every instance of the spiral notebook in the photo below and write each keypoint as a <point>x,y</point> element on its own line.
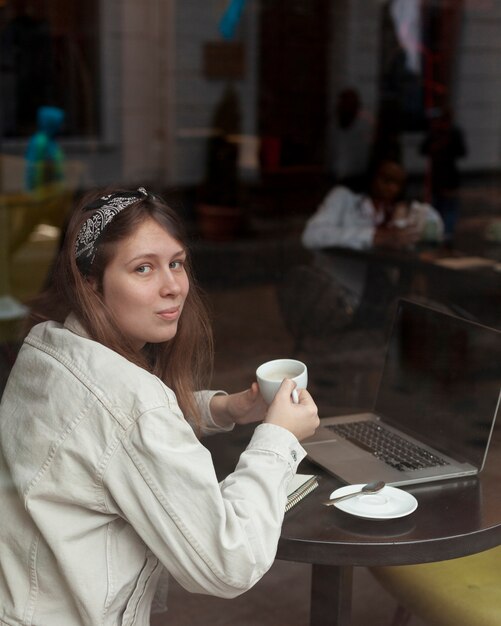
<point>300,486</point>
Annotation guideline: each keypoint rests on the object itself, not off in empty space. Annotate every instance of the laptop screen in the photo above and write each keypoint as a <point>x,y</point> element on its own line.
<point>441,381</point>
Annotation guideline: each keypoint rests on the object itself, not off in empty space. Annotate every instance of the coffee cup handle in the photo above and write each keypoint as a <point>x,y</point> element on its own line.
<point>295,396</point>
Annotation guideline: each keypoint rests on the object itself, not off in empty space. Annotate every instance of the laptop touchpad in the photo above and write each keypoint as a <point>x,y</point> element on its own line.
<point>325,450</point>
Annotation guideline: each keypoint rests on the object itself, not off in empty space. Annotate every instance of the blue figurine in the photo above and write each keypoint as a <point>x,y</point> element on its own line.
<point>44,155</point>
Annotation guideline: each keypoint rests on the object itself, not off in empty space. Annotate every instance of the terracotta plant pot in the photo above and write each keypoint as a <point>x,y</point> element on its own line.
<point>218,223</point>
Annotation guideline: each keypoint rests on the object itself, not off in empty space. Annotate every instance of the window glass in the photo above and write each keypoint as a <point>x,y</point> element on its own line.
<point>246,115</point>
<point>49,52</point>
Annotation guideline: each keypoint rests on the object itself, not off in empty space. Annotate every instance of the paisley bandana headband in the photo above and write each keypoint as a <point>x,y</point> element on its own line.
<point>104,210</point>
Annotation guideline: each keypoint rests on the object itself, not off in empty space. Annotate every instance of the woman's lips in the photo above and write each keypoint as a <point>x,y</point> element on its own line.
<point>169,314</point>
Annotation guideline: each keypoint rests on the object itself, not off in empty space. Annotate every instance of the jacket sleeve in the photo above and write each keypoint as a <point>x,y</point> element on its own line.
<point>213,538</point>
<point>209,426</point>
<point>432,215</point>
<point>339,222</point>
<point>432,223</point>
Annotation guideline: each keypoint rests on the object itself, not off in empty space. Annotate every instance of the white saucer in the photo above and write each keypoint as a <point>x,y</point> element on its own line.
<point>389,503</point>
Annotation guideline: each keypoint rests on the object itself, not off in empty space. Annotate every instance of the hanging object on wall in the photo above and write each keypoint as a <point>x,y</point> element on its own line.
<point>223,60</point>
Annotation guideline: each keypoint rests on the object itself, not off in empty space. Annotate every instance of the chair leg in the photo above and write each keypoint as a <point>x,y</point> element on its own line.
<point>401,617</point>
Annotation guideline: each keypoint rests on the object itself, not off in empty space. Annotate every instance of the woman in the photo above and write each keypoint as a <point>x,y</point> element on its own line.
<point>379,218</point>
<point>103,480</point>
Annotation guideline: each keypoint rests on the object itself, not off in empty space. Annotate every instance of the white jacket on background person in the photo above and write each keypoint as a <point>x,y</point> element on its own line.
<point>103,483</point>
<point>348,219</point>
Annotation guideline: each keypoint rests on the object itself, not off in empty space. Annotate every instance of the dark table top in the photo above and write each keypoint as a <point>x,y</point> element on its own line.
<point>429,258</point>
<point>475,290</point>
<point>454,518</point>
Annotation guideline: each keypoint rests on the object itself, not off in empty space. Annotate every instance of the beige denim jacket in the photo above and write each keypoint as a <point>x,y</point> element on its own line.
<point>103,483</point>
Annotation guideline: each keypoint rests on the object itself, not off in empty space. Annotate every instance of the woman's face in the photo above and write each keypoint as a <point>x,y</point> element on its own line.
<point>388,182</point>
<point>145,284</point>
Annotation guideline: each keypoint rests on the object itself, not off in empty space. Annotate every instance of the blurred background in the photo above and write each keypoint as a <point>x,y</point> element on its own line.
<point>244,113</point>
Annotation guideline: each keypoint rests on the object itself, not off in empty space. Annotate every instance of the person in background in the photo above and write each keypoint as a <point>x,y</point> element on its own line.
<point>444,144</point>
<point>44,155</point>
<point>376,218</point>
<point>352,140</point>
<point>103,479</point>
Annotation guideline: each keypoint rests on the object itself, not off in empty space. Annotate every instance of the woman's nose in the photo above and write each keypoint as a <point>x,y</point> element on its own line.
<point>170,285</point>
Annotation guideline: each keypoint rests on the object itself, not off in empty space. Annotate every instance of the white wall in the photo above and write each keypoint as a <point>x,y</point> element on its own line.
<point>157,104</point>
<point>167,103</point>
<point>355,27</point>
<point>196,97</point>
<point>477,89</point>
<point>143,80</point>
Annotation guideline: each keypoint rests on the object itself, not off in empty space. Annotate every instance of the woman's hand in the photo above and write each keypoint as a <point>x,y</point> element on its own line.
<point>397,238</point>
<point>238,408</point>
<point>300,419</point>
<point>248,406</point>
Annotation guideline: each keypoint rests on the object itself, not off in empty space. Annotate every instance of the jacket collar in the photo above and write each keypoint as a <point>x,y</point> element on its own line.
<point>73,323</point>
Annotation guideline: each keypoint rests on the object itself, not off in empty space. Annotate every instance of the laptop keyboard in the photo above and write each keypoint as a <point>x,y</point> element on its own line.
<point>387,446</point>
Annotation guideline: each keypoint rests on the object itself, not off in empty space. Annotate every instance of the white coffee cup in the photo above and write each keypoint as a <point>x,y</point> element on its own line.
<point>271,374</point>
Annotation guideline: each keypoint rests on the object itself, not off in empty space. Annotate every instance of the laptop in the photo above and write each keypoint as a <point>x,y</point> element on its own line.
<point>435,407</point>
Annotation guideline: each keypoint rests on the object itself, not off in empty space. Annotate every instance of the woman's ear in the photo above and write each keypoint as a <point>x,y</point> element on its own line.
<point>93,283</point>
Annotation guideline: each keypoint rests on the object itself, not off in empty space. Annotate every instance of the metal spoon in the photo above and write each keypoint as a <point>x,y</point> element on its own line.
<point>368,488</point>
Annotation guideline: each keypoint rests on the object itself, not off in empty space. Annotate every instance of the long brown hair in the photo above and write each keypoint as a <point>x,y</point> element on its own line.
<point>184,363</point>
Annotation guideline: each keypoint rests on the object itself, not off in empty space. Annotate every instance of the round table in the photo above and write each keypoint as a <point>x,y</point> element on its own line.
<point>454,518</point>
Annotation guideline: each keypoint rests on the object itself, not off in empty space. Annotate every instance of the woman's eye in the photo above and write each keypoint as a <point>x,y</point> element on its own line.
<point>143,269</point>
<point>176,265</point>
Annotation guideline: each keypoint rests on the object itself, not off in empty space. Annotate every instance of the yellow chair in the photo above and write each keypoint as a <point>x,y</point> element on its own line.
<point>20,214</point>
<point>25,210</point>
<point>459,592</point>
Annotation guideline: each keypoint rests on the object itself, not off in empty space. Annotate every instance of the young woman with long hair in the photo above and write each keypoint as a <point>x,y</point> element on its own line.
<point>104,482</point>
